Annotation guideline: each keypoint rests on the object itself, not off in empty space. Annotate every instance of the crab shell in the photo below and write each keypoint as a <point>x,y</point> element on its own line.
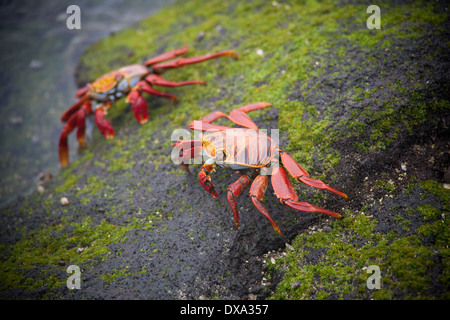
<point>239,148</point>
<point>116,84</point>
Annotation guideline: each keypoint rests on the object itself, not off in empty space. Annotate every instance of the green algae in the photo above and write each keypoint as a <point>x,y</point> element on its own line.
<point>68,243</point>
<point>65,243</point>
<point>352,246</point>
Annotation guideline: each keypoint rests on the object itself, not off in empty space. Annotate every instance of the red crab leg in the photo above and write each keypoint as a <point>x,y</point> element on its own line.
<point>63,144</point>
<point>154,79</point>
<point>210,117</point>
<point>74,108</point>
<point>238,116</point>
<point>187,144</point>
<point>234,190</point>
<point>236,113</point>
<point>77,120</point>
<point>285,192</point>
<point>235,116</point>
<point>300,174</point>
<point>82,91</point>
<point>166,56</point>
<point>180,62</point>
<point>144,86</point>
<point>189,149</point>
<point>205,126</point>
<point>257,191</point>
<point>242,119</point>
<point>81,122</point>
<point>254,106</point>
<point>103,125</point>
<point>188,155</point>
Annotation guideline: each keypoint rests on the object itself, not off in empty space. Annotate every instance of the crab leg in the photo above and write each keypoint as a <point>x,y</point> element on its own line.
<point>76,120</point>
<point>63,144</point>
<point>103,125</point>
<point>144,86</point>
<point>205,126</point>
<point>210,117</point>
<point>238,116</point>
<point>300,174</point>
<point>138,103</point>
<point>188,144</point>
<point>180,62</point>
<point>82,91</point>
<point>81,122</point>
<point>285,192</point>
<point>257,191</point>
<point>235,114</point>
<point>166,56</point>
<point>189,149</point>
<point>254,106</point>
<point>234,190</point>
<point>154,79</point>
<point>74,108</point>
<point>188,155</point>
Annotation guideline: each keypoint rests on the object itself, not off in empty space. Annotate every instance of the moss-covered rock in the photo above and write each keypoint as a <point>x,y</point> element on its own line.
<point>367,111</point>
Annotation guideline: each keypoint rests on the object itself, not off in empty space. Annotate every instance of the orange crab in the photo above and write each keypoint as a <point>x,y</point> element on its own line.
<point>254,155</point>
<point>130,81</point>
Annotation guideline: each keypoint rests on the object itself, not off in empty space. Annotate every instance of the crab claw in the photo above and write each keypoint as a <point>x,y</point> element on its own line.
<point>103,125</point>
<point>140,110</point>
<point>205,181</point>
<point>284,191</point>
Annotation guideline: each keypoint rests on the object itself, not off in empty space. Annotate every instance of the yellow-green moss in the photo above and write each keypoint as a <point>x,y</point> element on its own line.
<point>352,246</point>
<point>65,244</point>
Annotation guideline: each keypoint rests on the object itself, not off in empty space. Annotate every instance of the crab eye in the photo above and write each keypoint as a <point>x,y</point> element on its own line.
<point>220,155</point>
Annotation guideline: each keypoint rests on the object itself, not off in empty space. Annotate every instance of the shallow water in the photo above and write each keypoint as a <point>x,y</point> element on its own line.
<point>38,57</point>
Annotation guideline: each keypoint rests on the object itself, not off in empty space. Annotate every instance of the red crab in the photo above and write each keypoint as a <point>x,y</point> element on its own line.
<point>251,153</point>
<point>130,81</point>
